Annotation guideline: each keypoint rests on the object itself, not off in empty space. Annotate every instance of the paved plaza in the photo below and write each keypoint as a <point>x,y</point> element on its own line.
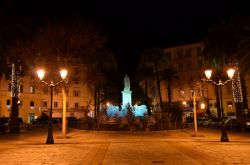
<point>125,148</point>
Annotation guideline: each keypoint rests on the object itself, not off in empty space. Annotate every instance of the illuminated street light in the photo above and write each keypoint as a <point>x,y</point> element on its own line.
<point>203,106</point>
<point>41,74</point>
<point>230,73</point>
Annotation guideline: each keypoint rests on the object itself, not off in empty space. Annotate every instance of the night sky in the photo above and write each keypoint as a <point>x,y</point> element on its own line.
<point>135,25</point>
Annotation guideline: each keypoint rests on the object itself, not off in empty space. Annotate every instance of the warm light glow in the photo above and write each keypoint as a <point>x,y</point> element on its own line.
<point>208,73</point>
<point>63,73</point>
<point>184,103</point>
<point>107,104</point>
<point>40,74</point>
<point>203,106</point>
<point>135,105</point>
<point>230,73</point>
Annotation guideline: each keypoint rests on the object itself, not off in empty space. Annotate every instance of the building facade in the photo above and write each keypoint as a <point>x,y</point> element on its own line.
<point>189,64</point>
<point>35,98</point>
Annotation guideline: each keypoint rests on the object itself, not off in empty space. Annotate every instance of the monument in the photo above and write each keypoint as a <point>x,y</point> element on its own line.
<point>126,93</point>
<point>138,111</point>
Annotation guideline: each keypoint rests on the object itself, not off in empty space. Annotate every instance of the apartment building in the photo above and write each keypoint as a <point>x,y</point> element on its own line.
<point>190,65</point>
<point>35,98</point>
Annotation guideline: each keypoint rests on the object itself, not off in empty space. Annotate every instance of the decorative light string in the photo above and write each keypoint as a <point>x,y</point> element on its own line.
<point>236,85</point>
<point>15,80</point>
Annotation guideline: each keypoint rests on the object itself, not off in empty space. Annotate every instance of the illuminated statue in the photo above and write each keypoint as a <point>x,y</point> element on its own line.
<point>126,83</point>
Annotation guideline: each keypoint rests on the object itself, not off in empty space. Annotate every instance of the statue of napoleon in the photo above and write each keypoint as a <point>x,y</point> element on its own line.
<point>126,83</point>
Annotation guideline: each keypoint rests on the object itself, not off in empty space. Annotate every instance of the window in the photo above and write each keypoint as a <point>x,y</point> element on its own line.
<point>56,92</point>
<point>20,103</point>
<point>180,54</point>
<point>210,105</point>
<point>45,90</point>
<point>188,53</point>
<point>180,67</point>
<point>67,92</point>
<point>44,104</point>
<point>76,105</point>
<point>76,80</point>
<point>9,87</point>
<point>182,93</point>
<point>55,104</point>
<point>168,54</point>
<point>76,93</point>
<point>8,103</point>
<point>21,88</point>
<point>199,51</point>
<point>32,89</point>
<point>32,104</point>
<point>229,90</point>
<point>229,104</point>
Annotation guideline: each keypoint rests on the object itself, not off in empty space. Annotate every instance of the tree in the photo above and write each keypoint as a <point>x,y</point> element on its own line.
<point>50,44</point>
<point>169,75</point>
<point>226,43</point>
<point>99,61</point>
<point>15,35</point>
<point>153,61</point>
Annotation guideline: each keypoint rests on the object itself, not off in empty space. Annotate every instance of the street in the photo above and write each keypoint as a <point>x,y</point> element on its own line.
<point>115,148</point>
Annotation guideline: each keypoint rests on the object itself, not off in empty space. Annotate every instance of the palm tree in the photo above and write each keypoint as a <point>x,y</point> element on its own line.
<point>225,44</point>
<point>98,62</point>
<point>169,75</point>
<point>15,35</point>
<point>153,61</point>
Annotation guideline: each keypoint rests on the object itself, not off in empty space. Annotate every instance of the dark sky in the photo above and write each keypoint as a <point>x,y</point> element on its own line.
<point>135,25</point>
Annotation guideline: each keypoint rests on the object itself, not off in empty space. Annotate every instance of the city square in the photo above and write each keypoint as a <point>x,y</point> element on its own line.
<point>112,82</point>
<point>130,147</point>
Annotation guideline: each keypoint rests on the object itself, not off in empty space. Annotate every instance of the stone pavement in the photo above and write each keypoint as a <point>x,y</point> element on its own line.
<point>115,148</point>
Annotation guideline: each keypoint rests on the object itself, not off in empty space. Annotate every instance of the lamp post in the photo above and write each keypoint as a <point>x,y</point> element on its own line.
<point>230,73</point>
<point>51,85</point>
<point>195,117</point>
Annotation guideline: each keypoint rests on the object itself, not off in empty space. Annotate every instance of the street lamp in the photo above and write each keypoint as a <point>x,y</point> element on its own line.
<point>41,74</point>
<point>230,74</point>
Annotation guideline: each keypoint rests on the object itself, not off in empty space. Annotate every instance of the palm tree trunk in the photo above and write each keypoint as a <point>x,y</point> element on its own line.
<point>98,105</point>
<point>14,123</point>
<point>146,87</point>
<point>95,103</point>
<point>218,101</point>
<point>244,95</point>
<point>169,97</point>
<point>240,116</point>
<point>159,86</point>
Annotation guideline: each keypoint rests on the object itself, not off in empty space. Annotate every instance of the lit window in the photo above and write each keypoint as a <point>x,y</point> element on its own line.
<point>32,89</point>
<point>32,104</point>
<point>20,103</point>
<point>21,88</point>
<point>8,103</point>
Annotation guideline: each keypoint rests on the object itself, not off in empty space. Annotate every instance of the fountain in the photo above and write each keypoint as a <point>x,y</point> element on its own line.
<point>138,111</point>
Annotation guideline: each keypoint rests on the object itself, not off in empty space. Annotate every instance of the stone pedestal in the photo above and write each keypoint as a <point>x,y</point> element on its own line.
<point>126,98</point>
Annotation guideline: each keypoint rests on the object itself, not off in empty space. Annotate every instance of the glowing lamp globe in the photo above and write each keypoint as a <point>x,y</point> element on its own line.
<point>230,73</point>
<point>63,73</point>
<point>208,73</point>
<point>40,74</point>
